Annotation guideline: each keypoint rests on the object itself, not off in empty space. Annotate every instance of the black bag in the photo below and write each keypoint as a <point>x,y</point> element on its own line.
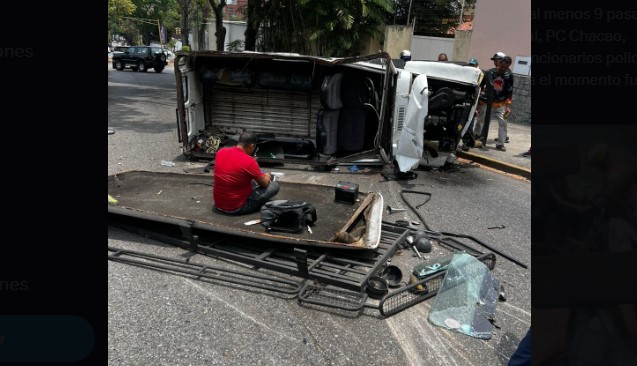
<point>287,216</point>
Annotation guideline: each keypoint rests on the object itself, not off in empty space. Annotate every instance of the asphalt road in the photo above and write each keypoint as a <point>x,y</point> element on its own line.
<point>158,318</point>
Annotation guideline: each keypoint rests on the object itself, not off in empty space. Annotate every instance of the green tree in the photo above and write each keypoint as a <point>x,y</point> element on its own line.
<point>204,7</point>
<point>171,44</point>
<point>332,27</point>
<point>436,18</point>
<point>185,8</point>
<point>116,10</point>
<point>235,46</point>
<point>253,21</point>
<point>145,13</point>
<point>401,12</point>
<point>339,28</point>
<point>279,24</point>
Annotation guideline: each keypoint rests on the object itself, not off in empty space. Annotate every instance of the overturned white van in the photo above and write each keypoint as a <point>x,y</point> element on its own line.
<point>324,111</point>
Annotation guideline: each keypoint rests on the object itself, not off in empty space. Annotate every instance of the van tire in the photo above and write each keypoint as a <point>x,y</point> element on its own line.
<point>159,69</point>
<point>142,66</point>
<point>119,65</point>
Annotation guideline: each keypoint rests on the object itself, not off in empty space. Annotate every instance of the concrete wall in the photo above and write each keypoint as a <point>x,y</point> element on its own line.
<point>234,31</point>
<point>521,101</point>
<point>461,46</point>
<point>428,48</point>
<point>500,26</point>
<point>397,38</point>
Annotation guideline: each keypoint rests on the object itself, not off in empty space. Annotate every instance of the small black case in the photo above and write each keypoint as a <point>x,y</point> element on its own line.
<point>346,192</point>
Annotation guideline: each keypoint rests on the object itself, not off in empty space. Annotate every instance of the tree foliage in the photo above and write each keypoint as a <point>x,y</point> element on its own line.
<point>279,25</point>
<point>235,46</point>
<point>142,28</point>
<point>339,28</point>
<point>432,18</point>
<point>332,27</point>
<point>120,8</point>
<point>320,27</point>
<point>116,10</point>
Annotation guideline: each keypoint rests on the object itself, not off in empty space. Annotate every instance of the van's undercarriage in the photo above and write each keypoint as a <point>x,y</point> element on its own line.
<point>310,110</point>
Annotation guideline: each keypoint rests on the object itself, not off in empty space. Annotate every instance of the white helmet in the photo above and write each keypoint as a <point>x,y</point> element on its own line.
<point>405,55</point>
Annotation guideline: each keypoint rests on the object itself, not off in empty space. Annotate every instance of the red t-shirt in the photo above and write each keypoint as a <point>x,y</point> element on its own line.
<point>233,171</point>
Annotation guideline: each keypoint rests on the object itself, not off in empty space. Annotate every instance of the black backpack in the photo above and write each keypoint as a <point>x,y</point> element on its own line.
<point>287,216</point>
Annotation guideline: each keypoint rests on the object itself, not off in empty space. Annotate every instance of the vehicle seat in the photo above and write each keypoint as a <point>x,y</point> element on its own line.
<point>352,119</point>
<point>328,115</point>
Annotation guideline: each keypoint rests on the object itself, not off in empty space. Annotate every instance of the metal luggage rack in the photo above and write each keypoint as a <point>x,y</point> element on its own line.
<point>339,276</point>
<point>344,268</point>
<point>244,278</point>
<point>391,303</point>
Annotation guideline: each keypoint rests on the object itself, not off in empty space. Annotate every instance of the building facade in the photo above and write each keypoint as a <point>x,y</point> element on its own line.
<point>501,26</point>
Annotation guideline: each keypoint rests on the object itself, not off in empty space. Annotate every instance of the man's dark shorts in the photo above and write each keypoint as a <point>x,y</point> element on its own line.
<point>256,199</point>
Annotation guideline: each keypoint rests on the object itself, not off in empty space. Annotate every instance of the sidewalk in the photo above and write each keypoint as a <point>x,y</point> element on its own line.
<point>511,160</point>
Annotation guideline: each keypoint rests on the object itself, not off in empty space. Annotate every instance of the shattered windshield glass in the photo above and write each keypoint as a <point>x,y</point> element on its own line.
<point>466,300</point>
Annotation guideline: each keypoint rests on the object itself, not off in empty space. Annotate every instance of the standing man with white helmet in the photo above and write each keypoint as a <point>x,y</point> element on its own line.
<point>497,57</point>
<point>496,101</point>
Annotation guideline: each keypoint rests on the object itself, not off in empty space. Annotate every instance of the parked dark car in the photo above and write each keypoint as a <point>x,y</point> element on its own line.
<point>140,58</point>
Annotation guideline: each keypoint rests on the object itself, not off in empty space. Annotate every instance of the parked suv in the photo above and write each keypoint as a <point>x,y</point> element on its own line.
<point>140,58</point>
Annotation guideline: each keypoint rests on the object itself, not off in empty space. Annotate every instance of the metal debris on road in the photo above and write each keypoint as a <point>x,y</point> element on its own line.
<point>391,210</point>
<point>496,227</point>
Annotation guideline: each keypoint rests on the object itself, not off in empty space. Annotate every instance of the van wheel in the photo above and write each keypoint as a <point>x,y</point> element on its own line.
<point>119,65</point>
<point>162,57</point>
<point>141,66</point>
<point>159,69</point>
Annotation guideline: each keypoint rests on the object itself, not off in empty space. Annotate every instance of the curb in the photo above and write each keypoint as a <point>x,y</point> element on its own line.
<point>496,164</point>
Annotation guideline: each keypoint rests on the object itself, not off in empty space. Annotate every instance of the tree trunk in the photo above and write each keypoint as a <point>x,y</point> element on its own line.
<point>205,14</point>
<point>184,29</point>
<point>252,27</point>
<point>220,30</point>
<point>184,7</point>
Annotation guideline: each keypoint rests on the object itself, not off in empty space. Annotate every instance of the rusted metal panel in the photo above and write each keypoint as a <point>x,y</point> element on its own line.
<point>186,200</point>
<point>280,112</point>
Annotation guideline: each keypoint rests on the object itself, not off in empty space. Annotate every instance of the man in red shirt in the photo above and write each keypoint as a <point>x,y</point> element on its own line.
<point>240,187</point>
